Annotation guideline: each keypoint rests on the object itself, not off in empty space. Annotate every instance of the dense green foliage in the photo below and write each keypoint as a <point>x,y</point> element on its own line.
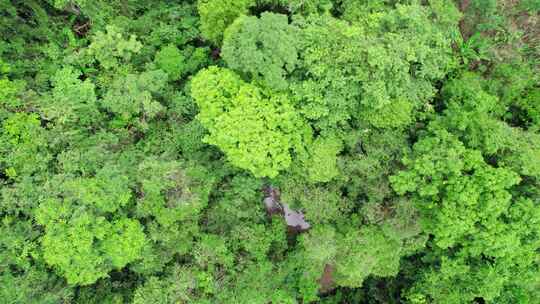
<point>139,142</point>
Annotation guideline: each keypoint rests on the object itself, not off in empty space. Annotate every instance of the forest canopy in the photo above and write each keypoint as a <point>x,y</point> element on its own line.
<point>270,151</point>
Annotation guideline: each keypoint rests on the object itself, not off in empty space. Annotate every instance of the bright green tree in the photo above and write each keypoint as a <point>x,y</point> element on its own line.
<point>217,15</point>
<point>483,237</point>
<point>257,132</point>
<point>82,241</point>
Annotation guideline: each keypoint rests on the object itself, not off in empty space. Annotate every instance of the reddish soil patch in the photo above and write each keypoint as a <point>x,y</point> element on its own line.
<point>326,281</point>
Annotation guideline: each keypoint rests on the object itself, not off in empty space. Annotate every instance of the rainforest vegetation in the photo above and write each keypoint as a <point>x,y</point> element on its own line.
<point>269,151</point>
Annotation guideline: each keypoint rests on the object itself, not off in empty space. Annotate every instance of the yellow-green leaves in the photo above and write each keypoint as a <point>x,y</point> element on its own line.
<point>366,252</point>
<point>86,247</point>
<point>23,145</point>
<point>86,235</point>
<point>217,15</point>
<point>321,164</point>
<point>257,132</point>
<point>398,112</point>
<point>471,210</point>
<point>9,90</point>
